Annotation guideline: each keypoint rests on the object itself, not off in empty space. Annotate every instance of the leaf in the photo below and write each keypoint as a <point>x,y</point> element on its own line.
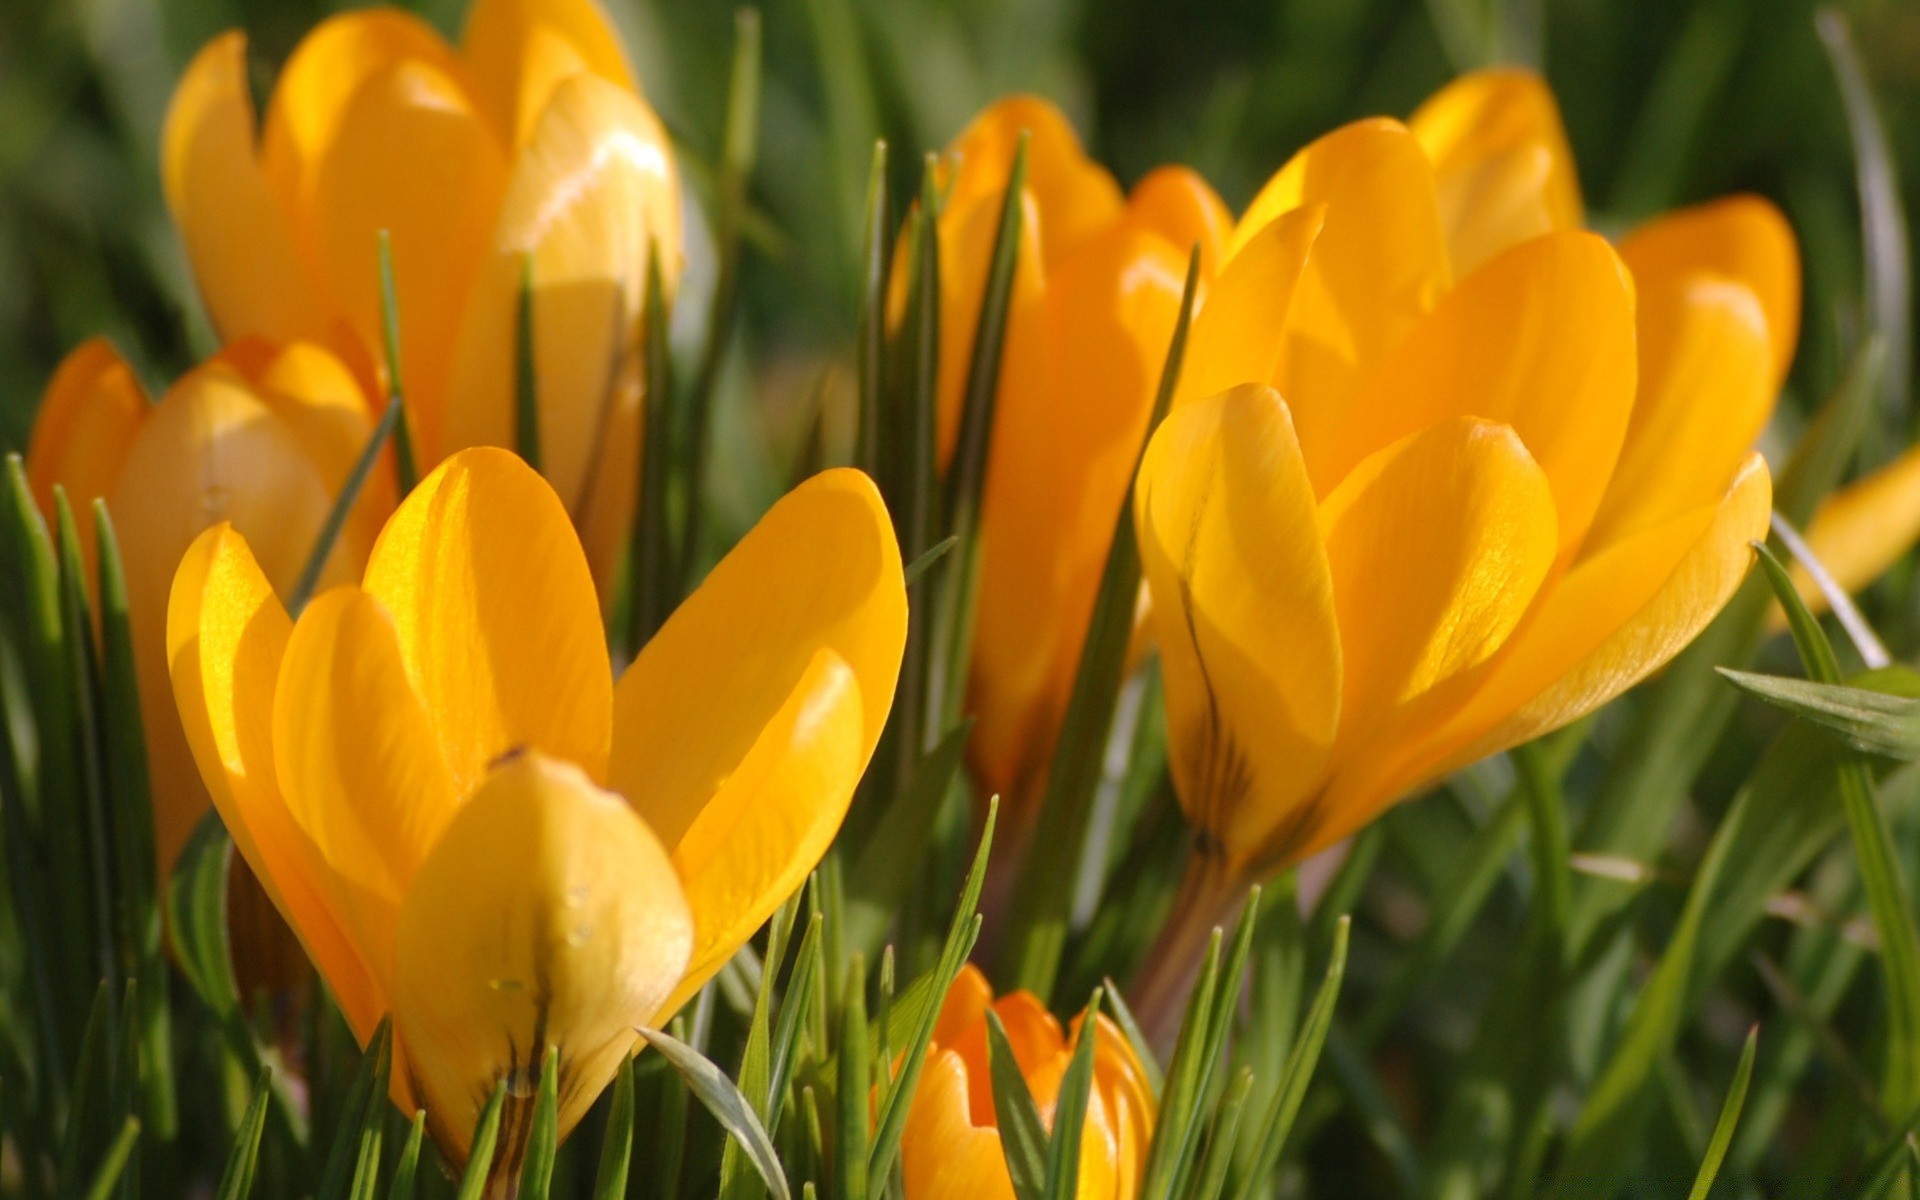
<point>871,338</point>
<point>652,553</point>
<point>486,1135</point>
<point>1123,1017</point>
<point>616,1150</point>
<point>1729,1118</point>
<point>714,1090</point>
<point>1868,721</point>
<point>392,421</point>
<point>236,1182</point>
<point>852,1091</point>
<point>409,1165</point>
<point>197,916</point>
<point>1225,1132</point>
<point>526,376</point>
<point>918,566</point>
<point>115,1160</point>
<point>794,1007</point>
<point>1070,1109</point>
<point>406,467</point>
<point>1179,1100</point>
<point>1278,1120</point>
<point>1043,895</point>
<point>356,1143</point>
<point>543,1142</point>
<point>1023,1135</point>
<point>893,858</point>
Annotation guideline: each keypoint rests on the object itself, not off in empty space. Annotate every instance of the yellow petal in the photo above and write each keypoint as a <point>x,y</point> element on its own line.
<point>211,451</point>
<point>372,128</point>
<point>820,570</point>
<point>1068,425</point>
<point>591,190</point>
<point>753,844</point>
<point>1864,528</point>
<point>226,634</point>
<point>498,625</point>
<point>944,1153</point>
<point>1541,339</point>
<point>1243,611</point>
<point>236,234</point>
<point>1379,264</point>
<point>518,51</point>
<point>358,763</point>
<point>1618,617</point>
<point>1706,392</point>
<point>1241,327</point>
<point>1076,196</point>
<point>1181,206</point>
<point>548,915</point>
<point>1501,164</point>
<point>1743,238</point>
<point>1437,547</point>
<point>315,393</point>
<point>91,413</point>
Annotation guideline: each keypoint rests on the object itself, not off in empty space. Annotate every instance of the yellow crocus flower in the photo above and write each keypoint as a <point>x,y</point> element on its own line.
<point>1499,472</point>
<point>530,138</point>
<point>1096,294</point>
<point>1863,529</point>
<point>259,437</point>
<point>473,828</point>
<point>950,1149</point>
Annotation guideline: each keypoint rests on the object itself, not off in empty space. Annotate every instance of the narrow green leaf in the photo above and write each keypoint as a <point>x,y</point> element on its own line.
<point>1142,1050</point>
<point>1868,721</point>
<point>357,1140</point>
<point>852,1091</point>
<point>652,552</point>
<point>1887,894</point>
<point>794,1008</point>
<point>114,1162</point>
<point>714,1090</point>
<point>526,372</point>
<point>918,566</point>
<point>88,1081</point>
<point>740,142</point>
<point>1043,896</point>
<point>1278,1120</point>
<point>486,1136</point>
<point>543,1140</point>
<point>1023,1135</point>
<point>616,1151</point>
<point>894,855</point>
<point>197,916</point>
<point>406,468</point>
<point>1729,1118</point>
<point>871,339</point>
<point>1179,1118</point>
<point>1070,1110</point>
<point>408,1168</point>
<point>236,1182</point>
<point>392,420</point>
<point>1223,1137</point>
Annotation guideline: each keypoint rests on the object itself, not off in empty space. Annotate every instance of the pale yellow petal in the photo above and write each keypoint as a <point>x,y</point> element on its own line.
<point>1243,611</point>
<point>820,570</point>
<point>1502,168</point>
<point>1542,339</point>
<point>591,191</point>
<point>547,915</point>
<point>490,592</point>
<point>518,51</point>
<point>237,235</point>
<point>226,634</point>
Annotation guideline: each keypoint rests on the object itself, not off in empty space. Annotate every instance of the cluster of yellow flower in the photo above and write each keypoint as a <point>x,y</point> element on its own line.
<point>1444,471</point>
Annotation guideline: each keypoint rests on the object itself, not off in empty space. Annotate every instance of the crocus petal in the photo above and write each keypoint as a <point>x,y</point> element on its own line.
<point>1181,206</point>
<point>498,625</point>
<point>372,129</point>
<point>519,51</point>
<point>226,635</point>
<point>1502,168</point>
<point>1379,264</point>
<point>1542,339</point>
<point>93,410</point>
<point>1076,196</point>
<point>967,1001</point>
<point>547,916</point>
<point>944,1153</point>
<point>1706,391</point>
<point>1618,617</point>
<point>1243,611</point>
<point>358,763</point>
<point>753,844</point>
<point>1864,528</point>
<point>321,399</point>
<point>1424,605</point>
<point>821,569</point>
<point>1743,238</point>
<point>1241,328</point>
<point>236,234</point>
<point>593,188</point>
<point>1068,428</point>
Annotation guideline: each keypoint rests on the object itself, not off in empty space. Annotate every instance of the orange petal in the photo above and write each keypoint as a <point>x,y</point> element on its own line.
<point>1181,206</point>
<point>1076,196</point>
<point>236,233</point>
<point>518,51</point>
<point>944,1154</point>
<point>1502,168</point>
<point>91,413</point>
<point>1240,330</point>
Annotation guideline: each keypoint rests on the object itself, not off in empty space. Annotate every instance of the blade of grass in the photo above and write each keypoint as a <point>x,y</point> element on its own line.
<point>486,1135</point>
<point>408,1168</point>
<point>114,1162</point>
<point>543,1140</point>
<point>616,1150</point>
<point>362,1120</point>
<point>721,1098</point>
<point>236,1181</point>
<point>1070,1110</point>
<point>652,553</point>
<point>390,423</point>
<point>1729,1118</point>
<point>851,1095</point>
<point>406,467</point>
<point>526,375</point>
<point>1023,1135</point>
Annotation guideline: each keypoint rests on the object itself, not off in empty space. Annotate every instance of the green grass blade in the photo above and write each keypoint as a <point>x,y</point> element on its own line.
<point>1174,1130</point>
<point>361,1120</point>
<point>486,1137</point>
<point>89,1079</point>
<point>794,1008</point>
<point>1868,721</point>
<point>526,371</point>
<point>851,1094</point>
<point>408,1168</point>
<point>1729,1118</point>
<point>1277,1122</point>
<point>894,854</point>
<point>543,1141</point>
<point>1043,896</point>
<point>236,1181</point>
<point>1023,1135</point>
<point>616,1151</point>
<point>114,1162</point>
<point>1222,1138</point>
<point>1070,1110</point>
<point>652,551</point>
<point>392,420</point>
<point>871,337</point>
<point>1123,1017</point>
<point>406,468</point>
<point>721,1098</point>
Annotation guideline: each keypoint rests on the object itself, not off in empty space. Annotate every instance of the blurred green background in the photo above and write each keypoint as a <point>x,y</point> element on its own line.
<point>1666,102</point>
